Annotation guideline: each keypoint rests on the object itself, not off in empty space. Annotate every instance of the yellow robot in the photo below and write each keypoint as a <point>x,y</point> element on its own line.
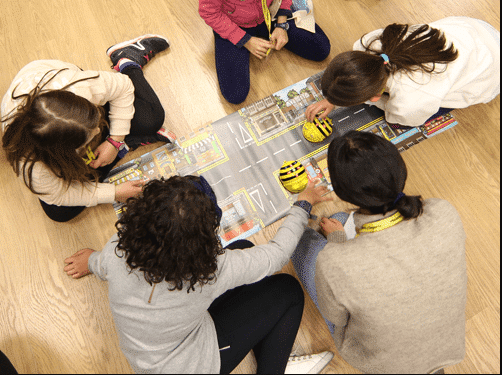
<point>318,130</point>
<point>293,176</point>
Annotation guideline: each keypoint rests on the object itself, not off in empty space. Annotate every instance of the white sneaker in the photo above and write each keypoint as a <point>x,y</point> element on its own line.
<point>308,364</point>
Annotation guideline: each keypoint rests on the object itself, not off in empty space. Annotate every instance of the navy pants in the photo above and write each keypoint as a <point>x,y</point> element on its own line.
<point>148,119</point>
<point>232,63</point>
<point>263,317</point>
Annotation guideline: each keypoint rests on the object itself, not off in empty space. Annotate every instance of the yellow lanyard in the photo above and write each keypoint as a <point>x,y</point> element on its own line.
<point>268,21</point>
<point>379,225</point>
<point>90,155</point>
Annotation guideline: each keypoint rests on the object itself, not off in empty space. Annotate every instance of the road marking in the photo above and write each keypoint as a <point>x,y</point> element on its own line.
<point>295,143</point>
<point>262,188</point>
<point>259,161</point>
<point>239,143</point>
<point>259,203</point>
<point>229,127</point>
<point>246,137</point>
<point>359,111</point>
<point>275,153</point>
<point>245,168</point>
<point>216,183</point>
<point>273,206</point>
<point>345,118</point>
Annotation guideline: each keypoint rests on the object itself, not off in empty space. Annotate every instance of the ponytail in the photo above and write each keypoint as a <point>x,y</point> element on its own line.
<point>421,49</point>
<point>410,206</point>
<point>354,77</point>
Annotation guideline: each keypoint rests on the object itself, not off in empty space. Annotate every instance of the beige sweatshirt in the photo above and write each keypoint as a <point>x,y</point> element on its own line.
<point>397,297</point>
<point>102,87</point>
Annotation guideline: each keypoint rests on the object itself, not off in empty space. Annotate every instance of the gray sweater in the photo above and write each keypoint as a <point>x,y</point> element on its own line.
<point>397,297</point>
<point>174,333</point>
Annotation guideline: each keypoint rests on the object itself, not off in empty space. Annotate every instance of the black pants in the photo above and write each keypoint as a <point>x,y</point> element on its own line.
<point>5,365</point>
<point>148,119</point>
<point>264,316</point>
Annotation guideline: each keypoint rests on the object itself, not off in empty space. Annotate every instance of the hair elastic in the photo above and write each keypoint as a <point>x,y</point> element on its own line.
<point>385,57</point>
<point>399,196</point>
<point>204,187</point>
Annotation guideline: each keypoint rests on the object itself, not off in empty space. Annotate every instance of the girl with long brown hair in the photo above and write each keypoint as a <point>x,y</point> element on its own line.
<point>415,72</point>
<point>55,113</point>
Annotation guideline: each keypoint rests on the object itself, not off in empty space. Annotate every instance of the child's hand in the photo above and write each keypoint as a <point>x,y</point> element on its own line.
<point>258,46</point>
<point>315,108</point>
<point>313,194</point>
<point>77,264</point>
<point>105,154</point>
<point>330,225</point>
<point>128,189</point>
<point>279,37</point>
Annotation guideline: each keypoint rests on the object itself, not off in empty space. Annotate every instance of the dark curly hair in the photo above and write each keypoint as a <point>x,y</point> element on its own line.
<point>170,233</point>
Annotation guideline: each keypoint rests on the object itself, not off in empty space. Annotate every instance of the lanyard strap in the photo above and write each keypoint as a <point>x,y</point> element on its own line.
<point>90,155</point>
<point>379,225</point>
<point>268,21</point>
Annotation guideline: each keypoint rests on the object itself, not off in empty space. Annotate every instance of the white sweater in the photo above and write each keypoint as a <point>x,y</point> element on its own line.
<point>474,77</point>
<point>102,87</point>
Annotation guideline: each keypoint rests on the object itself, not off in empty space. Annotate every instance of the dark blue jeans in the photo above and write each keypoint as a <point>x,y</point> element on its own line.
<point>232,63</point>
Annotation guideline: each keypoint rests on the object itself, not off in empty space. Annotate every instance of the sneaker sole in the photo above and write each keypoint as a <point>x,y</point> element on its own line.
<point>115,47</point>
<point>321,364</point>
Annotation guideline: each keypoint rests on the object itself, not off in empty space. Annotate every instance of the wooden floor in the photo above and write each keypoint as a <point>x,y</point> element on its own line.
<point>50,323</point>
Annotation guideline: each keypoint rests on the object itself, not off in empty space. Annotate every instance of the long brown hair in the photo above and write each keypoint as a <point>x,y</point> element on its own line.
<point>49,127</point>
<point>354,77</point>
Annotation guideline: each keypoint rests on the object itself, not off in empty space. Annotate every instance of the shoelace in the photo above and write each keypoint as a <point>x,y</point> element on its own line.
<point>149,55</point>
<point>299,358</point>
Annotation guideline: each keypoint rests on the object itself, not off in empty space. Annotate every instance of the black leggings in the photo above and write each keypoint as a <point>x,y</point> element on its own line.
<point>5,365</point>
<point>264,316</point>
<point>148,119</point>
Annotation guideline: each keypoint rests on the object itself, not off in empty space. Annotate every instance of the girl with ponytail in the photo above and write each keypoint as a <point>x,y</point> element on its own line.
<point>394,295</point>
<point>415,73</point>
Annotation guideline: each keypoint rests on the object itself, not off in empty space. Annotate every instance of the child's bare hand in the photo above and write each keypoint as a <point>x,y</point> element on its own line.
<point>128,189</point>
<point>258,46</point>
<point>329,226</point>
<point>77,264</point>
<point>315,108</point>
<point>105,154</point>
<point>279,38</point>
<point>313,194</point>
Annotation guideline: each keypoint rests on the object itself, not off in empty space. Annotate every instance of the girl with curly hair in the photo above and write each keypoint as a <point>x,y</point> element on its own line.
<point>181,303</point>
<point>415,73</point>
<point>54,114</point>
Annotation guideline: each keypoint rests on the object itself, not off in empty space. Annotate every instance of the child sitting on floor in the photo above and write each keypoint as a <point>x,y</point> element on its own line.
<point>415,73</point>
<point>181,303</point>
<point>394,296</point>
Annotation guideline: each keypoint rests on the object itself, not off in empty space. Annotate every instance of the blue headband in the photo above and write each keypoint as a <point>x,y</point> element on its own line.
<point>385,57</point>
<point>204,187</point>
<point>399,196</point>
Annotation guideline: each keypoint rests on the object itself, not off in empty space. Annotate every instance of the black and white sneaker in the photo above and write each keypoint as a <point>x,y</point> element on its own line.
<point>140,50</point>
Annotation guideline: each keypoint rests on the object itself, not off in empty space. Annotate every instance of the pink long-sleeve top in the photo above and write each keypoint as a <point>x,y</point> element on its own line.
<point>229,17</point>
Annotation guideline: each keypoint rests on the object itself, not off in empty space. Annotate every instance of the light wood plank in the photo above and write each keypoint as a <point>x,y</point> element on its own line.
<point>50,323</point>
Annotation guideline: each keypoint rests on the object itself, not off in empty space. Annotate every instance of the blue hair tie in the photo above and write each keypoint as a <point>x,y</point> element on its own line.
<point>399,196</point>
<point>385,58</point>
<point>204,187</point>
